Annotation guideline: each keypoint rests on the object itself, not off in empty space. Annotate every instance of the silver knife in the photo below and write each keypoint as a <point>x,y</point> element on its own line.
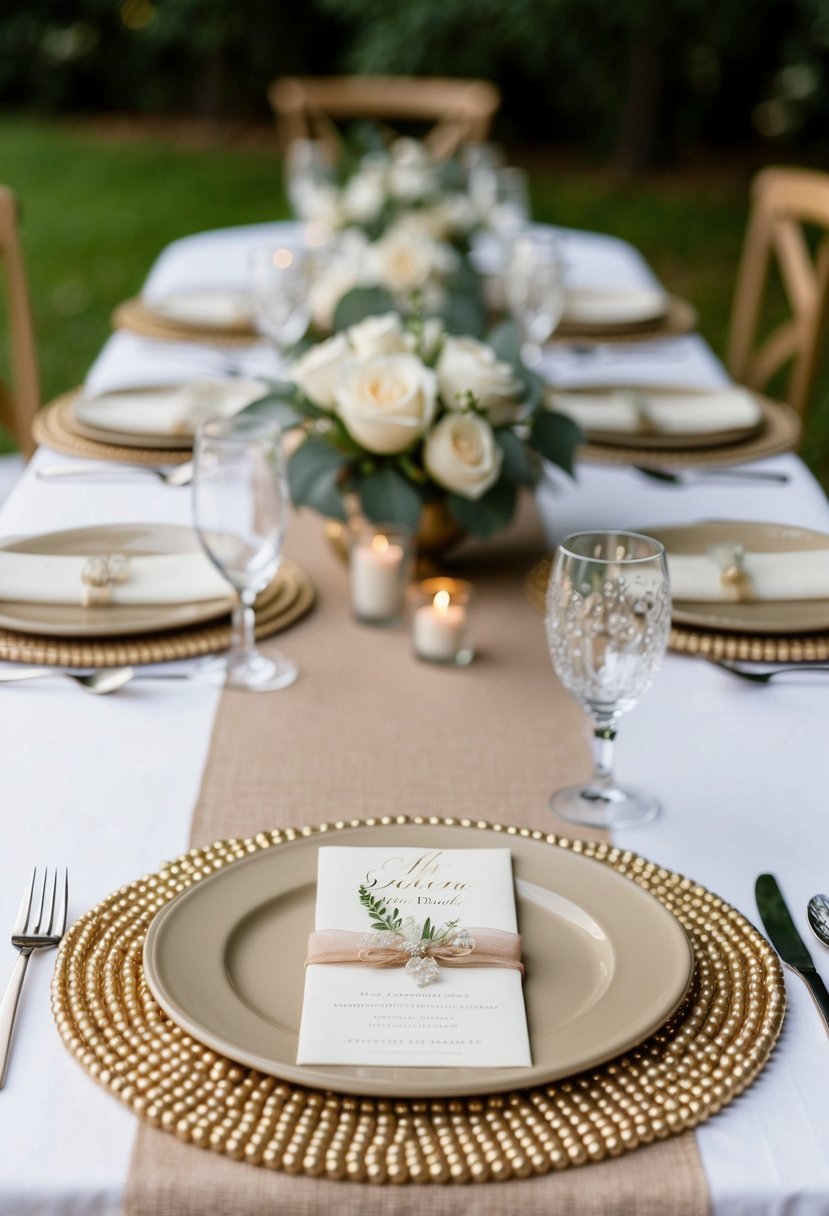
<point>787,941</point>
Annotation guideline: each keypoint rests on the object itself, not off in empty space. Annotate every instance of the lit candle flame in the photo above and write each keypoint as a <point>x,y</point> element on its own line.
<point>441,603</point>
<point>380,543</point>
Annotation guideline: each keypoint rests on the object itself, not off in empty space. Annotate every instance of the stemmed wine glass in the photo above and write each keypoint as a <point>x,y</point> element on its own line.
<point>279,285</point>
<point>240,504</point>
<point>534,288</point>
<point>608,619</point>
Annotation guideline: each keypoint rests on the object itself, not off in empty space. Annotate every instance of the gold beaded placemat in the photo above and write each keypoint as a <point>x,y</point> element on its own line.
<point>288,598</point>
<point>779,432</point>
<point>54,427</point>
<point>134,315</point>
<point>712,643</point>
<point>705,1055</point>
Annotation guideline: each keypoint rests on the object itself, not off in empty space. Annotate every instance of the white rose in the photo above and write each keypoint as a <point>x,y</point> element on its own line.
<point>462,456</point>
<point>328,289</point>
<point>318,370</point>
<point>466,365</point>
<point>381,335</point>
<point>363,197</point>
<point>320,205</point>
<point>402,260</point>
<point>387,401</point>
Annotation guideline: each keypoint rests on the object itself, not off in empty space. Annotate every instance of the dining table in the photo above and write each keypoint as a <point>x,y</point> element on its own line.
<point>108,785</point>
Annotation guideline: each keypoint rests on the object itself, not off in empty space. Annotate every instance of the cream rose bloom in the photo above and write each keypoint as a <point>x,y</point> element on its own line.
<point>462,456</point>
<point>364,196</point>
<point>381,335</point>
<point>466,365</point>
<point>387,401</point>
<point>318,370</point>
<point>404,260</point>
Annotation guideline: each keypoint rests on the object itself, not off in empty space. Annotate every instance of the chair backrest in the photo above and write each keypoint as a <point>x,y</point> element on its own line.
<point>782,201</point>
<point>18,405</point>
<point>460,109</point>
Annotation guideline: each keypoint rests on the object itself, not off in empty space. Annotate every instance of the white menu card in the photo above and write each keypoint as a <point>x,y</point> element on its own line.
<point>469,1017</point>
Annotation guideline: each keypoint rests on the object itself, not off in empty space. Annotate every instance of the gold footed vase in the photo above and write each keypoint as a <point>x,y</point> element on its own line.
<point>437,534</point>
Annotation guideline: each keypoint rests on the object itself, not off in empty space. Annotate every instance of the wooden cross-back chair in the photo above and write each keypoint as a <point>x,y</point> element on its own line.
<point>19,402</point>
<point>305,106</point>
<point>782,201</point>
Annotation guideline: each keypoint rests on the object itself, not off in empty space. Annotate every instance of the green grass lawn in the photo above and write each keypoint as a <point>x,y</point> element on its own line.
<point>98,209</point>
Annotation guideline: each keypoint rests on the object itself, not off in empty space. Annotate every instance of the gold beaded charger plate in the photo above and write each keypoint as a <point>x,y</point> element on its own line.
<point>112,620</point>
<point>171,324</point>
<point>55,427</point>
<point>708,1052</point>
<point>289,597</point>
<point>778,431</point>
<point>754,616</point>
<point>605,964</point>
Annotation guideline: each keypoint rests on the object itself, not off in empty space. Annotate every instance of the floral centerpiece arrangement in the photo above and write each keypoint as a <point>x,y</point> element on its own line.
<point>401,414</point>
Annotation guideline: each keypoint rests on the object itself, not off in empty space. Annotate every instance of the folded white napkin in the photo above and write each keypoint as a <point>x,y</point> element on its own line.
<point>171,410</point>
<point>213,308</point>
<point>802,575</point>
<point>175,578</point>
<point>592,306</point>
<point>632,412</point>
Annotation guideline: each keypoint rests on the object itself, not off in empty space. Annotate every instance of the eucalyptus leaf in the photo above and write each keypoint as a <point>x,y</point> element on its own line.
<point>464,314</point>
<point>487,514</point>
<point>314,470</point>
<point>505,340</point>
<point>387,497</point>
<point>556,437</point>
<point>283,411</point>
<point>359,303</point>
<point>517,466</point>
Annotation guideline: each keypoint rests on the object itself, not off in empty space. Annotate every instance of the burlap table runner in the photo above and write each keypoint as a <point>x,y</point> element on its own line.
<point>368,730</point>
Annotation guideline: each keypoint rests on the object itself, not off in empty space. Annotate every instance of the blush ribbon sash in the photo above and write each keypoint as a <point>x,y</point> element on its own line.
<point>491,948</point>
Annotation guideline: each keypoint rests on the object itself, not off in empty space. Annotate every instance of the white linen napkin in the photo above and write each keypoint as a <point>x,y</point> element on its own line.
<point>174,578</point>
<point>167,410</point>
<point>632,412</point>
<point>799,575</point>
<point>211,307</point>
<point>592,306</point>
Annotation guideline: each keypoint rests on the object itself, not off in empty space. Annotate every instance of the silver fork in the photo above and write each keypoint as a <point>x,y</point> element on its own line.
<point>40,924</point>
<point>177,475</point>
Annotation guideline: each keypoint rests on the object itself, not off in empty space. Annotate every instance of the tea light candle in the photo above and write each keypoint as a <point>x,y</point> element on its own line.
<point>377,582</point>
<point>439,629</point>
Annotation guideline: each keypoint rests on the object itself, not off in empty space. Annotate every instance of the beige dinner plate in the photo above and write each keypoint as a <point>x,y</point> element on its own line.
<point>667,316</point>
<point>586,307</point>
<point>606,964</point>
<point>68,620</point>
<point>205,308</point>
<point>660,440</point>
<point>762,616</point>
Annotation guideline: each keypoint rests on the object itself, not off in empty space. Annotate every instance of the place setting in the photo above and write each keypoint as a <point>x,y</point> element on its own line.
<point>116,595</point>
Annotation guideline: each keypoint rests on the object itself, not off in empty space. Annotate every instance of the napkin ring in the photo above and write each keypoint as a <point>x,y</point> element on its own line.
<point>99,575</point>
<point>733,575</point>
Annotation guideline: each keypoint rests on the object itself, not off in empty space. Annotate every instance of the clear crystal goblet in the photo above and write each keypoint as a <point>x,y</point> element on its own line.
<point>608,618</point>
<point>240,506</point>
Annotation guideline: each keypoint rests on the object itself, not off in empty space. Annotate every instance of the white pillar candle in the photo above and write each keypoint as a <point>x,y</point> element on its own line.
<point>377,579</point>
<point>439,629</point>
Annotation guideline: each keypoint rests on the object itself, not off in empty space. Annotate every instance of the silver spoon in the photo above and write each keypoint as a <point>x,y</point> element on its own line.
<point>99,683</point>
<point>179,475</point>
<point>763,677</point>
<point>817,910</point>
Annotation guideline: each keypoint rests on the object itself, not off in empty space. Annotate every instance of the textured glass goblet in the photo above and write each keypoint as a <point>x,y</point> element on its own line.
<point>279,286</point>
<point>240,504</point>
<point>534,289</point>
<point>608,619</point>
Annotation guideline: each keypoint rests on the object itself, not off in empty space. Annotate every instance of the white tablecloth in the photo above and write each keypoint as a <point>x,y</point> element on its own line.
<point>107,786</point>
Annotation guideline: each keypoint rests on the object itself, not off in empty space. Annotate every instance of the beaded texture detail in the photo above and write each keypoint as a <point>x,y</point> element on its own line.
<point>704,1056</point>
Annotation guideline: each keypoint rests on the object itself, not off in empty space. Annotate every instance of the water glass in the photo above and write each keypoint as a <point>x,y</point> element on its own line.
<point>240,506</point>
<point>608,619</point>
<point>534,288</point>
<point>279,284</point>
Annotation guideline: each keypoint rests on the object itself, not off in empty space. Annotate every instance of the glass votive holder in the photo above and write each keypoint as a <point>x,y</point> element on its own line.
<point>441,626</point>
<point>379,565</point>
